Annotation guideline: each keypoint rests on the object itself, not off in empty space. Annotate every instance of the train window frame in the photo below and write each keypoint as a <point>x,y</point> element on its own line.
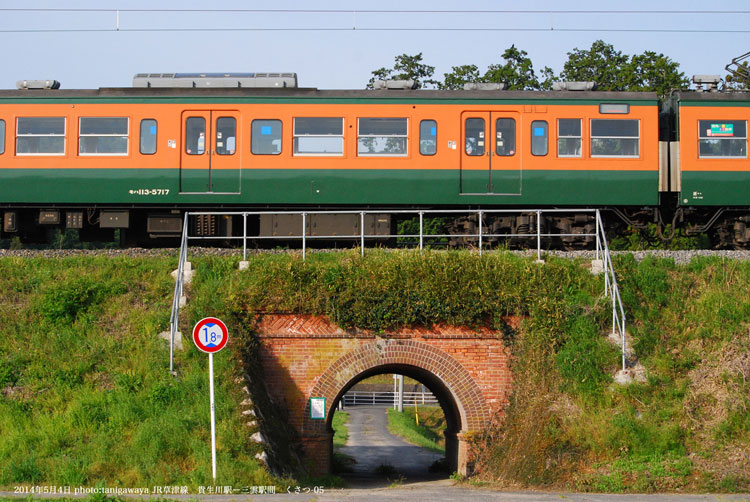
<point>153,130</point>
<point>222,145</point>
<point>21,136</point>
<point>721,138</point>
<point>598,137</point>
<point>262,123</point>
<point>200,149</point>
<point>83,136</point>
<point>475,144</point>
<point>499,138</point>
<point>2,136</point>
<point>428,140</point>
<point>337,137</point>
<point>566,137</point>
<point>539,137</point>
<point>400,133</point>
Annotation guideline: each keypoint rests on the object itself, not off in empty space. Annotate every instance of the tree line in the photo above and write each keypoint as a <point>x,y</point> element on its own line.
<point>611,69</point>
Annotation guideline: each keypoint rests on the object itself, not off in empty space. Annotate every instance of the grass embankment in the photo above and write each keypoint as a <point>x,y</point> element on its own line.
<point>686,428</point>
<point>86,393</point>
<point>428,433</point>
<point>80,416</point>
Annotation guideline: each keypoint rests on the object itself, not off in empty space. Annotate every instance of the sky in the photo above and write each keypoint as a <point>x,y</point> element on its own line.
<point>338,50</point>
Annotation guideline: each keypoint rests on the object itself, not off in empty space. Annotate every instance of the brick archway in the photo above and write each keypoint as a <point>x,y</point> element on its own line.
<point>307,356</point>
<point>455,388</point>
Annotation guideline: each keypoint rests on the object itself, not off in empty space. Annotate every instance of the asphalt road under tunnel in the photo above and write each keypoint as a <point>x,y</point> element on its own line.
<point>372,445</point>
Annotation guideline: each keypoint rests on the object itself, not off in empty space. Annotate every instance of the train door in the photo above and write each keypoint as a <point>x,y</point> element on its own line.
<point>210,158</point>
<point>490,162</point>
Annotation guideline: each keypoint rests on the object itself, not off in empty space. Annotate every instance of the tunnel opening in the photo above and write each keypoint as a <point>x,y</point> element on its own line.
<point>377,454</point>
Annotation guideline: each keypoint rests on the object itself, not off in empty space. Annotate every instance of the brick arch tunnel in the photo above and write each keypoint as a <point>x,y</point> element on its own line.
<point>306,357</point>
<point>458,394</point>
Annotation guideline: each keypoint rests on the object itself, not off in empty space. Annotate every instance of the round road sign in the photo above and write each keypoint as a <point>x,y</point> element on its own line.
<point>210,335</point>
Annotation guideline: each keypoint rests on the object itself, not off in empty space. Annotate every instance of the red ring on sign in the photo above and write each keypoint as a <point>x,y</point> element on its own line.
<point>224,332</point>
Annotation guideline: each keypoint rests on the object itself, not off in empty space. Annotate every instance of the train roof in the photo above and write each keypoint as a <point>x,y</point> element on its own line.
<point>135,94</point>
<point>712,98</point>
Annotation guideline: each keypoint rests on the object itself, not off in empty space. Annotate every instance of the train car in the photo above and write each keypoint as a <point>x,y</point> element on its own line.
<point>137,158</point>
<point>713,180</point>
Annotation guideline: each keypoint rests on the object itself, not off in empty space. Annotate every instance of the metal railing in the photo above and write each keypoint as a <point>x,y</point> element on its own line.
<point>179,284</point>
<point>359,398</point>
<point>482,236</point>
<point>610,286</point>
<point>602,249</point>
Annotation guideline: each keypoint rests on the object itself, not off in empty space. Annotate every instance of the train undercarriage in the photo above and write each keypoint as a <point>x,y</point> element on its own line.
<point>162,227</point>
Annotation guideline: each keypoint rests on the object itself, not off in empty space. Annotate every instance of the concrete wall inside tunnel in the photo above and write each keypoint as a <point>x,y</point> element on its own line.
<point>306,356</point>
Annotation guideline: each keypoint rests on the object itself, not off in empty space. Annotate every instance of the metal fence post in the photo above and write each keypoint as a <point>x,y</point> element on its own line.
<point>304,241</point>
<point>362,231</point>
<point>480,233</point>
<point>421,230</point>
<point>539,236</point>
<point>244,236</point>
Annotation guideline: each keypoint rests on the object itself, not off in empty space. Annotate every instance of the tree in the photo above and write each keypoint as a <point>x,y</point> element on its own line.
<point>517,73</point>
<point>406,67</point>
<point>614,71</point>
<point>601,64</point>
<point>652,72</point>
<point>460,76</point>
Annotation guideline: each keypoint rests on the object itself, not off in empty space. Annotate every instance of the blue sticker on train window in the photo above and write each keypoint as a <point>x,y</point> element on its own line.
<point>539,131</point>
<point>265,130</point>
<point>433,131</point>
<point>152,130</point>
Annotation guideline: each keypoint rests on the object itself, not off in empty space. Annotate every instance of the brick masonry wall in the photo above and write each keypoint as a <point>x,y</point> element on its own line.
<point>306,356</point>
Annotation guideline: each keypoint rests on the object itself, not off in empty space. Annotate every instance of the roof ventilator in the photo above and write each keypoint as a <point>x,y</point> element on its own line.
<point>394,84</point>
<point>711,81</point>
<point>484,86</point>
<point>573,86</point>
<point>28,85</point>
<point>216,80</point>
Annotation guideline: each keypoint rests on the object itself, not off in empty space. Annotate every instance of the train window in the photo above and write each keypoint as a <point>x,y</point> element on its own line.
<point>148,136</point>
<point>319,136</point>
<point>505,137</point>
<point>474,129</point>
<point>568,137</point>
<point>382,136</point>
<point>2,137</point>
<point>266,137</point>
<point>539,137</point>
<point>226,135</point>
<point>103,136</point>
<point>195,136</point>
<point>40,136</point>
<point>614,138</point>
<point>428,137</point>
<point>722,138</point>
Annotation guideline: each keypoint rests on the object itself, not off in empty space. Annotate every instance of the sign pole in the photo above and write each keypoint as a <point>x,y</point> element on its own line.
<point>213,414</point>
<point>211,335</point>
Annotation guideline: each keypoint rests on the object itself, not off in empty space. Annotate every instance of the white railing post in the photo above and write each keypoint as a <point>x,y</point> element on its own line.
<point>304,232</point>
<point>538,236</point>
<point>480,233</point>
<point>244,236</point>
<point>362,231</point>
<point>421,230</point>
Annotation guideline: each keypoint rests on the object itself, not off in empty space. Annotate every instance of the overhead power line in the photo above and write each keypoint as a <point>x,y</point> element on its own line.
<point>548,27</point>
<point>385,11</point>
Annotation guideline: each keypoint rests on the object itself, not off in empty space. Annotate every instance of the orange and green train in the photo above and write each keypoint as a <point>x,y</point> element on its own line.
<point>137,158</point>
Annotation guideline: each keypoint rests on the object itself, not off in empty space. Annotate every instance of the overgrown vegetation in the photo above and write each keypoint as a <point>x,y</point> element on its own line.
<point>428,433</point>
<point>87,397</point>
<point>86,393</point>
